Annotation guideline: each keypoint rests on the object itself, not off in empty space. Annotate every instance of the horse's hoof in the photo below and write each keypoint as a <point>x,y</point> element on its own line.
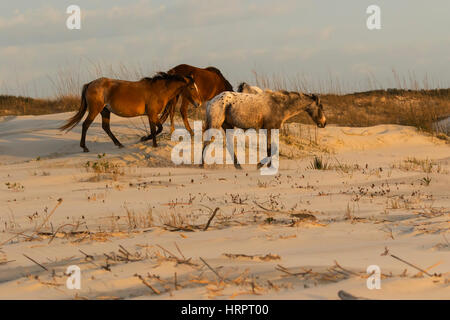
<point>85,149</point>
<point>259,166</point>
<point>238,166</point>
<point>121,146</point>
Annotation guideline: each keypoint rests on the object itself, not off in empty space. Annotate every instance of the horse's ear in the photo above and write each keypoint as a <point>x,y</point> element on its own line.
<point>316,98</point>
<point>188,79</point>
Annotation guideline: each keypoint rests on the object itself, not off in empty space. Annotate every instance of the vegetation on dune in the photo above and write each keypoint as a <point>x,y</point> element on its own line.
<point>17,105</point>
<point>420,107</point>
<point>417,108</point>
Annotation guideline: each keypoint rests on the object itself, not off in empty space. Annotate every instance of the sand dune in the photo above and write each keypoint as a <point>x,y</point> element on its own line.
<point>133,222</point>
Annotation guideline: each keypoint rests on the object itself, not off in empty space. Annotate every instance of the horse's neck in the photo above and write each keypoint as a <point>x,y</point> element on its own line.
<point>174,89</point>
<point>294,109</point>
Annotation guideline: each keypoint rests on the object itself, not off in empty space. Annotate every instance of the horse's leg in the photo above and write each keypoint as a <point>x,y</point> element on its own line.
<point>269,150</point>
<point>160,128</point>
<point>183,110</point>
<point>269,147</point>
<point>106,115</point>
<point>153,122</point>
<point>168,111</point>
<point>237,165</point>
<point>207,143</point>
<point>158,131</point>
<point>172,113</point>
<point>86,124</point>
<point>153,131</point>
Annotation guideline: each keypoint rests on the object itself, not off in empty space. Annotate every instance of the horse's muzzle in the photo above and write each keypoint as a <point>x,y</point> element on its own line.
<point>322,125</point>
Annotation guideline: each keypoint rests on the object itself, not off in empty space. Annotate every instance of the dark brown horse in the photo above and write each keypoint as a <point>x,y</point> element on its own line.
<point>210,83</point>
<point>130,99</point>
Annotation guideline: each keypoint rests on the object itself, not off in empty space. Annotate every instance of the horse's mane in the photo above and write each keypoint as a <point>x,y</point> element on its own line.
<point>286,97</point>
<point>241,86</point>
<point>164,76</point>
<point>228,86</point>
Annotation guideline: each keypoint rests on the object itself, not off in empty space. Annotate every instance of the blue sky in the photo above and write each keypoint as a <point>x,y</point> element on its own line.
<point>316,39</point>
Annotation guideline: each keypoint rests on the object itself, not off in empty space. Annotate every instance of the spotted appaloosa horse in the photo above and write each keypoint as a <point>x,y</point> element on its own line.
<point>268,110</point>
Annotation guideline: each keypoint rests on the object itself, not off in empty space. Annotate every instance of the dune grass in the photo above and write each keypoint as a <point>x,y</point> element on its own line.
<point>412,103</point>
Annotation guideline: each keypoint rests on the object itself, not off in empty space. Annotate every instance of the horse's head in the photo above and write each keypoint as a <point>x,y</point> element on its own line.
<point>191,92</point>
<point>315,111</point>
<point>246,88</point>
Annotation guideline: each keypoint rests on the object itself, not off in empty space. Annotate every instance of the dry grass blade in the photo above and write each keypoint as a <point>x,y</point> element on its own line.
<point>345,270</point>
<point>177,259</point>
<point>179,251</point>
<point>295,274</point>
<point>429,268</point>
<point>87,256</point>
<point>145,282</point>
<point>211,218</point>
<point>47,217</point>
<point>411,265</point>
<point>32,260</point>
<point>170,253</point>
<point>13,237</point>
<point>265,209</point>
<point>4,258</point>
<point>210,268</point>
<point>257,257</point>
<point>74,232</point>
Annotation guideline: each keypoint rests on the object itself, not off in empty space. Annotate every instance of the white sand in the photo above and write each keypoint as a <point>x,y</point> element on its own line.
<point>359,212</point>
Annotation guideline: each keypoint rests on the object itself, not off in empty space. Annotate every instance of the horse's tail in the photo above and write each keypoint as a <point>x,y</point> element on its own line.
<point>76,118</point>
<point>228,86</point>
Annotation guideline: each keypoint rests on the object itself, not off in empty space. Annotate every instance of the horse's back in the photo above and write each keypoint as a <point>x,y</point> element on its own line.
<point>210,80</point>
<point>108,83</point>
<point>241,110</point>
<point>183,69</point>
<point>121,97</point>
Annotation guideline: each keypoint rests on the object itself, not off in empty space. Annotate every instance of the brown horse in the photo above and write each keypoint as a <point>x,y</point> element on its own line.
<point>130,99</point>
<point>210,83</point>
